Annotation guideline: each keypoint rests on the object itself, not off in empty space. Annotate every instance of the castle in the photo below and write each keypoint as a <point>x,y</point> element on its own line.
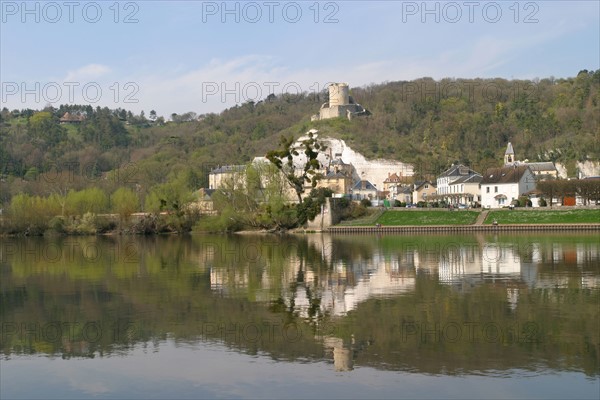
<point>340,104</point>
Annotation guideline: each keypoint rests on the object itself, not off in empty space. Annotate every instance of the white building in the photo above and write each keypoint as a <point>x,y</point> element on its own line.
<point>500,186</point>
<point>453,174</point>
<point>465,190</point>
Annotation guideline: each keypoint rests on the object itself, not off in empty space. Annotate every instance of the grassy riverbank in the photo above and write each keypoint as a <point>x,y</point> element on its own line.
<point>545,216</point>
<point>420,217</point>
<point>464,217</point>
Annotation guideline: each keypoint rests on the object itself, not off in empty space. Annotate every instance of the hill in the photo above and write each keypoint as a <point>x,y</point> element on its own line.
<point>425,122</point>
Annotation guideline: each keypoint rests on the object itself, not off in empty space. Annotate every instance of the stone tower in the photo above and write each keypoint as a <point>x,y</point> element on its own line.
<point>340,104</point>
<point>338,94</point>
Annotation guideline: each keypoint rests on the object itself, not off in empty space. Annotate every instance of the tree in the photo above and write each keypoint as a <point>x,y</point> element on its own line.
<point>548,189</point>
<point>124,202</point>
<point>297,176</point>
<point>44,127</point>
<point>152,115</point>
<point>170,196</point>
<point>92,200</point>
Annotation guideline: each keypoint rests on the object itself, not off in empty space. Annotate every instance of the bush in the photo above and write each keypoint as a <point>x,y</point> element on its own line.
<point>542,202</point>
<point>57,224</point>
<point>366,203</point>
<point>523,202</point>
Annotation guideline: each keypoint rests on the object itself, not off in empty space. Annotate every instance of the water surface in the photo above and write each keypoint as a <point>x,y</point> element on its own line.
<point>393,316</point>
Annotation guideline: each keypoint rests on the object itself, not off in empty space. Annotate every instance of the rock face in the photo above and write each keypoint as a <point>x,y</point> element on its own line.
<point>562,170</point>
<point>375,171</point>
<point>584,169</point>
<point>588,168</point>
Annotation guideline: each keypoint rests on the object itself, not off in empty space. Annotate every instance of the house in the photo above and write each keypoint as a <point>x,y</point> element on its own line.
<point>451,175</point>
<point>543,170</point>
<point>364,189</point>
<point>338,165</point>
<point>500,186</point>
<point>391,181</point>
<point>203,201</point>
<point>404,194</point>
<point>69,118</point>
<point>423,191</point>
<point>227,177</point>
<point>338,182</point>
<point>465,190</point>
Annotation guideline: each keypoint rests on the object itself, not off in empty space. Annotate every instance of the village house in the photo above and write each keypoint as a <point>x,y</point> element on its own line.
<point>423,191</point>
<point>338,182</point>
<point>227,177</point>
<point>203,201</point>
<point>404,194</point>
<point>69,118</point>
<point>391,181</point>
<point>543,170</point>
<point>501,186</point>
<point>364,189</point>
<point>392,185</point>
<point>464,188</point>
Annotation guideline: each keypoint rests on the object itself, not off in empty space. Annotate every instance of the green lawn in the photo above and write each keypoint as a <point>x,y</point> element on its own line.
<point>545,216</point>
<point>427,217</point>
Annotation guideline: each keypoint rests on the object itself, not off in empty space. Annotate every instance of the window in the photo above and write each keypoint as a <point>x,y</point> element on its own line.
<point>487,189</point>
<point>426,186</point>
<point>495,189</point>
<point>501,200</point>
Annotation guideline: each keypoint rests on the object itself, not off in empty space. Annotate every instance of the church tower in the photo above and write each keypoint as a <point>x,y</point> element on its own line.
<point>509,155</point>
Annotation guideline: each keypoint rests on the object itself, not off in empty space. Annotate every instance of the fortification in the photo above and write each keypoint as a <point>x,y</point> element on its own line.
<point>340,104</point>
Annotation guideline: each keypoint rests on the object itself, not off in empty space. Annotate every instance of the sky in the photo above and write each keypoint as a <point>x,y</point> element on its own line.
<point>205,56</point>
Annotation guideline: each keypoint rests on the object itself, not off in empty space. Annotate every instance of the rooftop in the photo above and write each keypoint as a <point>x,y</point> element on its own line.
<point>508,174</point>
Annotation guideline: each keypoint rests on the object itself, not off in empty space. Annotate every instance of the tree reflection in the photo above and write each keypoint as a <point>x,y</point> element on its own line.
<point>437,304</point>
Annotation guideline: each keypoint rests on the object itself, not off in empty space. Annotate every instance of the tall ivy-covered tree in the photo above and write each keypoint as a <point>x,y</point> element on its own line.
<point>297,176</point>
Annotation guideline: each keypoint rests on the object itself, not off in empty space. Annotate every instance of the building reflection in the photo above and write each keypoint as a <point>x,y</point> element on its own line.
<point>326,279</point>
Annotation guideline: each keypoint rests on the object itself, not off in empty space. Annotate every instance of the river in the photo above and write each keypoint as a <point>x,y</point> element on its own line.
<point>324,316</point>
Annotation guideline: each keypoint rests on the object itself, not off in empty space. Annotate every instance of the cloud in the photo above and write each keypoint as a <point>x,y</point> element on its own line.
<point>87,73</point>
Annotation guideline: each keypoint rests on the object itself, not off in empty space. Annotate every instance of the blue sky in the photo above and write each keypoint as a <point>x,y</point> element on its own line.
<point>175,57</point>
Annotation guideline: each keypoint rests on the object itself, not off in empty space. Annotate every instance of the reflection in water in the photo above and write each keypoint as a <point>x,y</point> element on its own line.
<point>442,305</point>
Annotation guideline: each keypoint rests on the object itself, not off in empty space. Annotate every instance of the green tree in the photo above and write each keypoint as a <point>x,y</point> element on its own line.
<point>170,196</point>
<point>42,126</point>
<point>92,200</point>
<point>283,159</point>
<point>124,202</point>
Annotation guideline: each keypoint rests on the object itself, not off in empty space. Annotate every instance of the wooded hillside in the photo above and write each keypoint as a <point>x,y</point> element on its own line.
<point>425,122</point>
